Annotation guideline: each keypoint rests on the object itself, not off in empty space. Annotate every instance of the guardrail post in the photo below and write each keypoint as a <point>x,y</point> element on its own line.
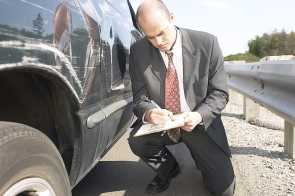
<point>251,109</point>
<point>233,96</point>
<point>289,140</point>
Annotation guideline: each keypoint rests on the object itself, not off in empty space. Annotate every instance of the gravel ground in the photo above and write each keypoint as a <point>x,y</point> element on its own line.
<point>261,167</point>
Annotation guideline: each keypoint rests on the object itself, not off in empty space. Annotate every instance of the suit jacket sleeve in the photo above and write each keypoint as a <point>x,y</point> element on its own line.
<point>140,93</point>
<point>217,92</point>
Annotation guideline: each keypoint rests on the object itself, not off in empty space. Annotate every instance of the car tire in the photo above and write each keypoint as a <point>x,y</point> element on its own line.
<point>30,163</point>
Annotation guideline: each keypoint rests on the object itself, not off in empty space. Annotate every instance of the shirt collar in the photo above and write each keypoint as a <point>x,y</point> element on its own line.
<point>177,48</point>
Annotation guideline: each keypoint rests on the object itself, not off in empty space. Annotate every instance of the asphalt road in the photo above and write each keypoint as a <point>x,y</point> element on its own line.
<point>120,172</point>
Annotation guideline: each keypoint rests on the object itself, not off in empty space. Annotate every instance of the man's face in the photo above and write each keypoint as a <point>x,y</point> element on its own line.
<point>159,30</point>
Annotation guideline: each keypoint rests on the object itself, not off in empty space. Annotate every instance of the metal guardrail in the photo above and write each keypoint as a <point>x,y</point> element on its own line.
<point>271,84</point>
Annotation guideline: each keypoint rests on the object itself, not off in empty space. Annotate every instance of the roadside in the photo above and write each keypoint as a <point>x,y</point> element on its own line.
<point>261,167</point>
<point>258,156</point>
<point>120,173</point>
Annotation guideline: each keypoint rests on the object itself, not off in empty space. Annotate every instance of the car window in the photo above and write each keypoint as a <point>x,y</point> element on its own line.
<point>122,7</point>
<point>135,23</point>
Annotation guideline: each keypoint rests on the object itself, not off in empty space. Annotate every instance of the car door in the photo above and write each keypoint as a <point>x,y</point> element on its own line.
<point>107,99</point>
<point>116,38</point>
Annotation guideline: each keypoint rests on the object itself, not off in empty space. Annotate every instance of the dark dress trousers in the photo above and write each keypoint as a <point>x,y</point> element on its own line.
<point>206,92</point>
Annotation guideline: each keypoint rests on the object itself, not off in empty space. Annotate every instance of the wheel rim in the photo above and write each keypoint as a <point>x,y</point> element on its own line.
<point>31,186</point>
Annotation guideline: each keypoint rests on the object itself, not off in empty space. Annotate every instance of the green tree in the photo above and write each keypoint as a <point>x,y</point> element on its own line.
<point>248,57</point>
<point>265,45</point>
<point>38,25</point>
<point>283,37</point>
<point>290,47</point>
<point>273,44</point>
<point>255,46</point>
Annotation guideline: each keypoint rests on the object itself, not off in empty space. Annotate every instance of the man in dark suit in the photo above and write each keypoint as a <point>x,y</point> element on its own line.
<point>195,61</point>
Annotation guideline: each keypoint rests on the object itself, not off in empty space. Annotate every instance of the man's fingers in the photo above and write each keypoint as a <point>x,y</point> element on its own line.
<point>191,120</point>
<point>170,114</point>
<point>187,128</point>
<point>159,116</point>
<point>163,112</point>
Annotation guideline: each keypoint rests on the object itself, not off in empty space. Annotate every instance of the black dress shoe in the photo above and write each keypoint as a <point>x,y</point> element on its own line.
<point>158,185</point>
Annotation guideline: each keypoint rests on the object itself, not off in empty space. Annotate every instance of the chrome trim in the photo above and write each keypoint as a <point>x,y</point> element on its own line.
<point>102,114</point>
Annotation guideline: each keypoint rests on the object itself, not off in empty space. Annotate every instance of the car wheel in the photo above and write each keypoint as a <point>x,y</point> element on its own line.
<point>30,164</point>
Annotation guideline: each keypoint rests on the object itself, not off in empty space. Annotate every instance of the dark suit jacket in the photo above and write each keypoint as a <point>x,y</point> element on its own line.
<point>204,79</point>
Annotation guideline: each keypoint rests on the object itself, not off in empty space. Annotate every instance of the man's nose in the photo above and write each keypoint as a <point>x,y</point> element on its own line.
<point>158,40</point>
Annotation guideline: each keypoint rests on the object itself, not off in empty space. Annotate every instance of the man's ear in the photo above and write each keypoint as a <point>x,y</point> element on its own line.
<point>171,17</point>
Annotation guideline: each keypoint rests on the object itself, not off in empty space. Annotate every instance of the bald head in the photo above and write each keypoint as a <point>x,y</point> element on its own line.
<point>151,8</point>
<point>157,24</point>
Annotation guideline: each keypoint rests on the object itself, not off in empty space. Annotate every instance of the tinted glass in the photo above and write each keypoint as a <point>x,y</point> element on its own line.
<point>122,7</point>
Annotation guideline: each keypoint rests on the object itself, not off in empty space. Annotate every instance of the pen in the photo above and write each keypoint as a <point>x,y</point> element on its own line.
<point>154,103</point>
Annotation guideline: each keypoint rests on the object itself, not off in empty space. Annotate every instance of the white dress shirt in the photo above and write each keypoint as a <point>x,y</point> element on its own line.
<point>178,63</point>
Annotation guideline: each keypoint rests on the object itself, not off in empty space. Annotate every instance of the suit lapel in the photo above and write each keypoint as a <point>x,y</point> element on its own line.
<point>158,69</point>
<point>190,58</point>
<point>157,65</point>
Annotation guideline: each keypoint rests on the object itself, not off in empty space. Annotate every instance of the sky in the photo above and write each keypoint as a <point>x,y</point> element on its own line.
<point>233,22</point>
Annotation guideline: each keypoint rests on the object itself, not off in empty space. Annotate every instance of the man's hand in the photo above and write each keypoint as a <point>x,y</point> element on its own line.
<point>191,120</point>
<point>158,116</point>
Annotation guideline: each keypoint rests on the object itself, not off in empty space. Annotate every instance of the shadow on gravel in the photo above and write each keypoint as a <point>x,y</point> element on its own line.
<point>259,152</point>
<point>114,176</point>
<point>238,116</point>
<point>111,177</point>
<point>121,173</point>
<point>118,178</point>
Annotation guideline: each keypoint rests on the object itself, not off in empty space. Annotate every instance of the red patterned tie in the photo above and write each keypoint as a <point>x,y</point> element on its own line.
<point>172,99</point>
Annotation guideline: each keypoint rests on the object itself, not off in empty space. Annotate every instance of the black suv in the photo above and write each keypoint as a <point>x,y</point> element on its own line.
<point>65,90</point>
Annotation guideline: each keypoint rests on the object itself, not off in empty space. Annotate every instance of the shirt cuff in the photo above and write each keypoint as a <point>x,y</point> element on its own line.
<point>144,122</point>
